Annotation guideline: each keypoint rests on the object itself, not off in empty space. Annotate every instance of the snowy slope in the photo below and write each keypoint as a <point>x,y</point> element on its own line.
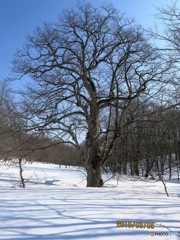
<point>56,205</point>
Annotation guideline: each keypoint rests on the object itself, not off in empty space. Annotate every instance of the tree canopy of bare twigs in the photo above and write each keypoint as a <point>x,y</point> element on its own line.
<point>90,64</point>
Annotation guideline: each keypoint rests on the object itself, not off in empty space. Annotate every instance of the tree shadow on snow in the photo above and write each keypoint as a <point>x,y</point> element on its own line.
<point>83,214</point>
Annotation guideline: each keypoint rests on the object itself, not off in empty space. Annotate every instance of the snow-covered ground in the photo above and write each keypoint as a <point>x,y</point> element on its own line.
<point>57,205</point>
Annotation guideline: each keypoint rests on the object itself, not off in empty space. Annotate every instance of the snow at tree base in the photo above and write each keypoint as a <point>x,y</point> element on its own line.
<point>56,205</point>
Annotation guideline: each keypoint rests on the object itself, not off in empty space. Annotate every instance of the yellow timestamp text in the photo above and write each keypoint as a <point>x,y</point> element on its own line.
<point>134,224</point>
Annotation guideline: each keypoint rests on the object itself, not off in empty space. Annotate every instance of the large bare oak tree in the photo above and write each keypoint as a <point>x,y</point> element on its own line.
<point>83,69</point>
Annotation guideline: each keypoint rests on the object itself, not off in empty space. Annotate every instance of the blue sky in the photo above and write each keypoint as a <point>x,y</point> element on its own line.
<point>20,17</point>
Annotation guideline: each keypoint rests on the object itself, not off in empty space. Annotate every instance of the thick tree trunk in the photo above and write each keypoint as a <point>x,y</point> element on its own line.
<point>93,161</point>
<point>94,167</point>
<point>94,176</point>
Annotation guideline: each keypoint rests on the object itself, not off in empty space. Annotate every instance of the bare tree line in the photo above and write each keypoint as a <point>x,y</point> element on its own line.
<point>150,144</point>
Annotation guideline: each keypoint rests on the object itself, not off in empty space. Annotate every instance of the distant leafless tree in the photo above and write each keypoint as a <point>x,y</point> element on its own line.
<point>10,132</point>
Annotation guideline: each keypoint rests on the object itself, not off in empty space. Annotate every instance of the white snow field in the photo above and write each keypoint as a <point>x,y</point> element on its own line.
<point>56,205</point>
